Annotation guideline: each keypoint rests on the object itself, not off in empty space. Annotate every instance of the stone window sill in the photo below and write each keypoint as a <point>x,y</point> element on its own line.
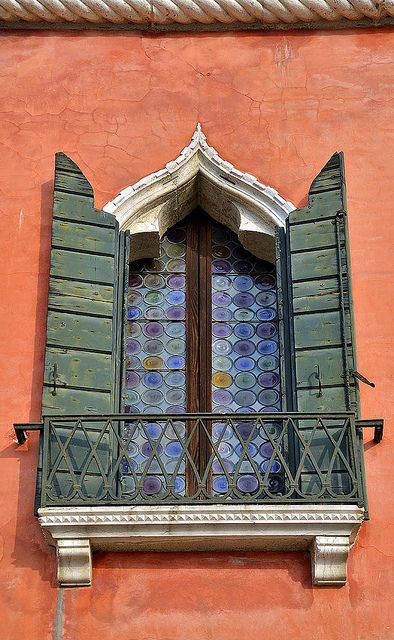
<point>327,531</point>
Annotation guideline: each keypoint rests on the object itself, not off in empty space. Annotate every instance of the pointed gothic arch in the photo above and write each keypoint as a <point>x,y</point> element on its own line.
<point>200,177</point>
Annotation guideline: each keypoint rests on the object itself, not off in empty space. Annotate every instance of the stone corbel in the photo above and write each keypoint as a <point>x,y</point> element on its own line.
<point>74,563</point>
<point>329,556</point>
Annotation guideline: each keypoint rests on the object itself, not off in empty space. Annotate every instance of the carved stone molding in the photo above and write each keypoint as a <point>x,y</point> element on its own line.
<point>199,176</point>
<point>206,14</point>
<point>328,531</point>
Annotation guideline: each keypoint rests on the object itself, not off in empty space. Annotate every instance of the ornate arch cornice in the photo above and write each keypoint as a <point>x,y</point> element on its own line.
<point>200,177</point>
<point>196,14</point>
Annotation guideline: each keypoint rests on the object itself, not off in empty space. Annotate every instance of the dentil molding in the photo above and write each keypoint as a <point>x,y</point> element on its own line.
<point>196,14</point>
<point>327,531</point>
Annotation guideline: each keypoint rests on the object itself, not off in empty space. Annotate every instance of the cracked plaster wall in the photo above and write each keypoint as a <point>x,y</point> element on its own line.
<point>122,105</point>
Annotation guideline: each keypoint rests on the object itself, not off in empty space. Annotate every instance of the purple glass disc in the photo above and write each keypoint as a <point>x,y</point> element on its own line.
<point>266,330</point>
<point>176,235</point>
<point>247,484</point>
<point>147,449</point>
<point>132,379</point>
<point>243,300</point>
<point>265,282</point>
<point>266,449</point>
<point>135,280</point>
<point>176,282</point>
<point>152,485</point>
<point>132,346</point>
<point>221,330</point>
<point>221,299</point>
<point>222,314</point>
<point>221,266</point>
<point>268,379</point>
<point>244,347</point>
<point>245,429</point>
<point>153,329</point>
<point>176,313</point>
<point>222,396</point>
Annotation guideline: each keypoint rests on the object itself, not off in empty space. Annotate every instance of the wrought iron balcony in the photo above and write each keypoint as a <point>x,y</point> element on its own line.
<point>157,459</point>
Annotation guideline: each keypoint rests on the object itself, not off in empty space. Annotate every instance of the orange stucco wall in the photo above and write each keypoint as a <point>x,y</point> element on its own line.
<point>122,105</point>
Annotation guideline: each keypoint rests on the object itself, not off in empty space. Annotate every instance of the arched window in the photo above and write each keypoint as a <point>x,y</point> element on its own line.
<point>195,330</point>
<point>201,336</point>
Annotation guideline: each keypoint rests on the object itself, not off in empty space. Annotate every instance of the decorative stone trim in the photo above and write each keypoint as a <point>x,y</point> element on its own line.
<point>328,531</point>
<point>199,176</point>
<point>186,14</point>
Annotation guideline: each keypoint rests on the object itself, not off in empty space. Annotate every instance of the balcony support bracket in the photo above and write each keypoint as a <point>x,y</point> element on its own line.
<point>74,562</point>
<point>329,556</point>
<point>326,530</point>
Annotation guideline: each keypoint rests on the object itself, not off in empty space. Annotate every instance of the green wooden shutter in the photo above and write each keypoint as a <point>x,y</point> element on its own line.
<point>320,291</point>
<point>322,355</point>
<point>81,374</point>
<point>79,370</point>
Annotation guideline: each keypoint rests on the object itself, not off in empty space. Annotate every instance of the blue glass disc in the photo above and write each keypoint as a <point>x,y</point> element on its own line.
<point>244,330</point>
<point>220,484</point>
<point>153,380</point>
<point>244,364</point>
<point>176,297</point>
<point>175,362</point>
<point>243,283</point>
<point>267,347</point>
<point>133,313</point>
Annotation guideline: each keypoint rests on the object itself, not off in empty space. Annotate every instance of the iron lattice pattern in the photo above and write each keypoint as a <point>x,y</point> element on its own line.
<point>248,458</point>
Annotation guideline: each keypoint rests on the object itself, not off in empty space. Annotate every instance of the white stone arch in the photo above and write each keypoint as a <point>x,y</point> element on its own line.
<point>200,177</point>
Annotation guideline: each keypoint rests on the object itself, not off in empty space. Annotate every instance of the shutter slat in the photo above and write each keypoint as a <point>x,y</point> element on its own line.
<point>80,296</point>
<point>82,266</point>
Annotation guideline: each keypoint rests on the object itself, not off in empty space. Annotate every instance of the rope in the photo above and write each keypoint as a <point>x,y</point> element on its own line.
<point>189,12</point>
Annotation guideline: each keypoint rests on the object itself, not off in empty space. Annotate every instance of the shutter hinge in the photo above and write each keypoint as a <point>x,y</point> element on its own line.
<point>319,381</point>
<point>55,378</point>
<point>358,376</point>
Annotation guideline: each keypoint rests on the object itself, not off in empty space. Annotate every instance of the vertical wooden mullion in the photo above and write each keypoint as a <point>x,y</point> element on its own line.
<point>192,347</point>
<point>205,319</point>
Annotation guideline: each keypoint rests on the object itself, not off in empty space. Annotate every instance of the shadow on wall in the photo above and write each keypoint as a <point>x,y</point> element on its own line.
<point>31,550</point>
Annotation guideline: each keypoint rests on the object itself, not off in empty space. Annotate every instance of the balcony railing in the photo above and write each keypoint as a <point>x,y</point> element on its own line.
<point>236,458</point>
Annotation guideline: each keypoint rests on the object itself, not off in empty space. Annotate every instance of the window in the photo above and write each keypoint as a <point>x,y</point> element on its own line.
<point>118,337</point>
<point>202,336</point>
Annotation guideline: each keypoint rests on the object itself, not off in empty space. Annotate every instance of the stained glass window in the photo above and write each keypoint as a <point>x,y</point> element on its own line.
<point>237,335</point>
